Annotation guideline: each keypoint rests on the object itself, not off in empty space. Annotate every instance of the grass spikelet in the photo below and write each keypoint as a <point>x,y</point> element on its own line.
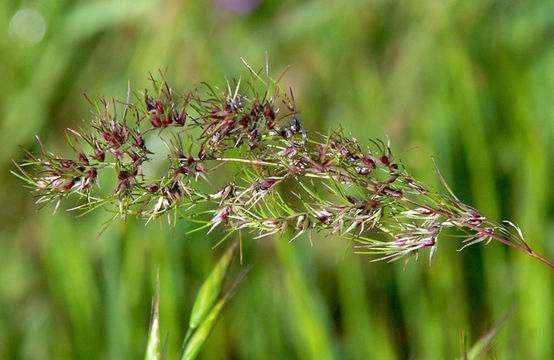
<point>154,348</point>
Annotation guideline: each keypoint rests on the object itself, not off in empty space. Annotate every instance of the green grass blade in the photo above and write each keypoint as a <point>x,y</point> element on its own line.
<point>484,344</point>
<point>209,292</point>
<point>194,345</point>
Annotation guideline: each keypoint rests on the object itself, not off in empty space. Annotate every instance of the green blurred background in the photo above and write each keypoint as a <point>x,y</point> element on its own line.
<point>468,82</point>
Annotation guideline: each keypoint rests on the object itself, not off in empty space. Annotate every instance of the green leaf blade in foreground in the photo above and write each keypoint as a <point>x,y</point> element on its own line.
<point>209,293</point>
<point>194,345</point>
<point>210,290</point>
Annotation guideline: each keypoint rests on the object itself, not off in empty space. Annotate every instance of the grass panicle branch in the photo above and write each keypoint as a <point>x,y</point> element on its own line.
<point>284,178</point>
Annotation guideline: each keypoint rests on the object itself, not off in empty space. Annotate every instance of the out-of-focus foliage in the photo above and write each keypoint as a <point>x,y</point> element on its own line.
<point>468,82</point>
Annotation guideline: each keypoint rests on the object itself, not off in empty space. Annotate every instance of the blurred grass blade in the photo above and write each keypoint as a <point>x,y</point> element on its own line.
<point>209,292</point>
<point>463,343</point>
<point>87,19</point>
<point>153,349</point>
<point>484,344</point>
<point>194,346</point>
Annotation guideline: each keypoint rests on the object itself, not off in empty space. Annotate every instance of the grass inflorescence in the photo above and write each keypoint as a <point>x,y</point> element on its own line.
<point>284,177</point>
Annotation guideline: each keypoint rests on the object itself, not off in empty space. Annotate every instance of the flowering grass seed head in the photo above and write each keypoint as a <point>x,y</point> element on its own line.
<point>283,179</point>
